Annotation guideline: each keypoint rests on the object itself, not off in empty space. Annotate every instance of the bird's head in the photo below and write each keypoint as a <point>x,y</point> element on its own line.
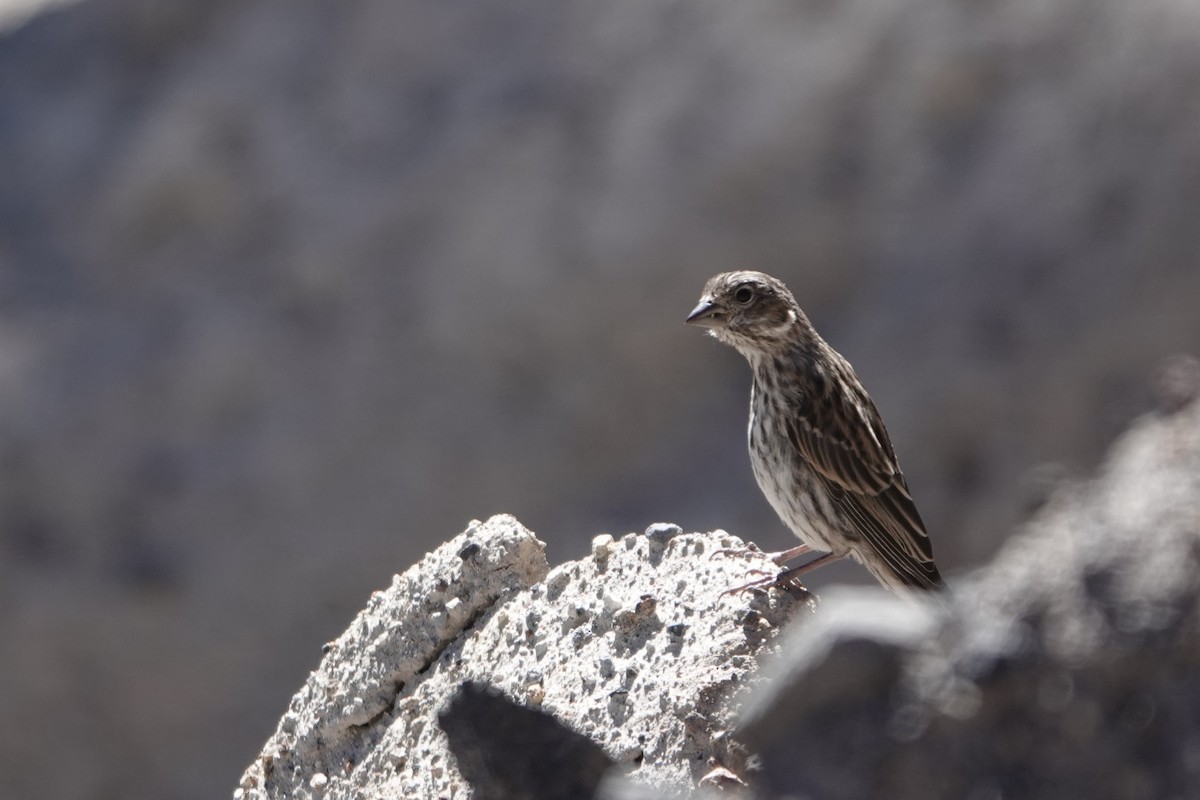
<point>750,311</point>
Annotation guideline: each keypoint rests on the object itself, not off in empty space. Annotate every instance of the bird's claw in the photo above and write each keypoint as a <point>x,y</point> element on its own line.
<point>767,580</point>
<point>740,552</point>
<point>782,579</point>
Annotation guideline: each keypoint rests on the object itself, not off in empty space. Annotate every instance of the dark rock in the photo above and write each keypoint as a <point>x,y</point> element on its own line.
<point>508,751</point>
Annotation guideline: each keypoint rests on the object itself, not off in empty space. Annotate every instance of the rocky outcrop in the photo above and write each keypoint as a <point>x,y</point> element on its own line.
<point>1070,667</point>
<point>636,648</point>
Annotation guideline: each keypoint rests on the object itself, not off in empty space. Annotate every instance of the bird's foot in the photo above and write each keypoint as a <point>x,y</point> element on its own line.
<point>782,557</point>
<point>769,580</point>
<point>739,552</point>
<point>788,578</point>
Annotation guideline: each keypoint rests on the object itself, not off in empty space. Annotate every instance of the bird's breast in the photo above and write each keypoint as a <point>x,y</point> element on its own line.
<point>784,477</point>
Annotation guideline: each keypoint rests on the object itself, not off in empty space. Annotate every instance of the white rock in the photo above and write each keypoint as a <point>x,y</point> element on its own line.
<point>597,645</point>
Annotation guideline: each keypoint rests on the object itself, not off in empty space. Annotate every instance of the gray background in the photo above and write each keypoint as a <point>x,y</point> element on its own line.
<point>291,290</point>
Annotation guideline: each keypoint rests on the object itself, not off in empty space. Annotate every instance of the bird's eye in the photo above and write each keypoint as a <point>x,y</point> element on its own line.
<point>744,294</point>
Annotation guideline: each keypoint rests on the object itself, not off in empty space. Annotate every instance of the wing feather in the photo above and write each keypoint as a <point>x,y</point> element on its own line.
<point>902,548</point>
<point>841,434</point>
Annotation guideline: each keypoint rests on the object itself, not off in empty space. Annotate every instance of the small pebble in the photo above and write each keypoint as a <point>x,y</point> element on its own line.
<point>722,780</point>
<point>318,781</point>
<point>663,530</point>
<point>602,546</point>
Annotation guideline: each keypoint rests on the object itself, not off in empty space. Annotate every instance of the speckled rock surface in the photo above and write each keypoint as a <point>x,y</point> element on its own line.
<point>340,714</point>
<point>636,647</point>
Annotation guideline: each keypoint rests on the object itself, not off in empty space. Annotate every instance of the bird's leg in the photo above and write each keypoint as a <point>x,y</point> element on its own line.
<point>788,577</point>
<point>782,557</point>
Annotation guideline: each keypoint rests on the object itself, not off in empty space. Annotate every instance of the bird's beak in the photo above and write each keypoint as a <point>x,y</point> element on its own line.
<point>706,315</point>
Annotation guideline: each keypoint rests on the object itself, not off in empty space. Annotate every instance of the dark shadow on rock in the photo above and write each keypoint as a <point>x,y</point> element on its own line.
<point>508,751</point>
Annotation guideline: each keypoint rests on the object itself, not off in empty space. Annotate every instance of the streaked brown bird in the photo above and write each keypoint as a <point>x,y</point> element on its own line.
<point>819,449</point>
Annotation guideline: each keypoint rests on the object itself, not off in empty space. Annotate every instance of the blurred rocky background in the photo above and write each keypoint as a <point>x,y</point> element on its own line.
<point>289,291</point>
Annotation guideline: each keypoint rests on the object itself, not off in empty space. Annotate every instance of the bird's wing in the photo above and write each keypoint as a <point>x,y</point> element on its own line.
<point>843,437</point>
<point>890,525</point>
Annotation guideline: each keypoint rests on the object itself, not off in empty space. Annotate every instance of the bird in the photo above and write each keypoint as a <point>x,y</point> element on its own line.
<point>818,446</point>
